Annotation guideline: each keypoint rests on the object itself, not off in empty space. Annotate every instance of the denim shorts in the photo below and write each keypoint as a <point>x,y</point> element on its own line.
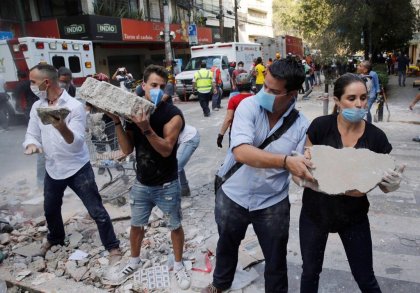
<point>166,197</point>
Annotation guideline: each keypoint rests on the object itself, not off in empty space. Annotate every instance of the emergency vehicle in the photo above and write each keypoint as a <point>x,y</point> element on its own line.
<point>17,56</point>
<point>224,53</point>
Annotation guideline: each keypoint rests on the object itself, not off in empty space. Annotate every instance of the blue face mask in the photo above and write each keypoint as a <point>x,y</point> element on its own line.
<point>265,100</point>
<point>156,96</point>
<point>353,114</point>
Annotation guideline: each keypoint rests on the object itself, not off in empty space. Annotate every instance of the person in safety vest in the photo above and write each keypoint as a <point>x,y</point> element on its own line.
<point>203,83</point>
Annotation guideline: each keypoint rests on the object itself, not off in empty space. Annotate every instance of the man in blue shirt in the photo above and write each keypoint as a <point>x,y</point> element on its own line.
<point>365,68</point>
<point>257,193</point>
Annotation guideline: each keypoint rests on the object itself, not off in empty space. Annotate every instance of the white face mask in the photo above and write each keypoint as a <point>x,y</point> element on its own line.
<point>40,94</point>
<point>240,67</point>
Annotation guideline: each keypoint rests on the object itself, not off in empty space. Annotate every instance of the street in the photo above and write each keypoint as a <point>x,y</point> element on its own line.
<point>394,217</point>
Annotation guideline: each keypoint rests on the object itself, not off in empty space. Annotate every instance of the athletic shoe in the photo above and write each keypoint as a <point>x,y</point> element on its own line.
<point>183,278</point>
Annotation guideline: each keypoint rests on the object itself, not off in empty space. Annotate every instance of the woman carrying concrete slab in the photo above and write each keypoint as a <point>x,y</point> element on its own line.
<point>345,214</point>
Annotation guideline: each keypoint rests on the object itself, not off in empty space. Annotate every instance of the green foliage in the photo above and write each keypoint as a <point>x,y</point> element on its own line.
<point>116,9</point>
<point>382,71</point>
<point>337,26</point>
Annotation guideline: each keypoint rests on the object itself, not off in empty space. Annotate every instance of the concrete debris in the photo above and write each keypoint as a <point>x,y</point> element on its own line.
<point>353,169</point>
<point>38,265</point>
<point>74,239</point>
<point>42,278</point>
<point>110,98</point>
<point>4,238</point>
<point>23,274</point>
<point>50,115</point>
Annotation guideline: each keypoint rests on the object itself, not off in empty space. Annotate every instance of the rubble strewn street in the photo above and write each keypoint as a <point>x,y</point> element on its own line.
<point>82,264</point>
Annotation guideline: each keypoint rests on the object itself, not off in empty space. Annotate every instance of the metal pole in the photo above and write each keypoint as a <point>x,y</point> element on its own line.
<point>325,100</point>
<point>236,22</point>
<point>167,37</point>
<point>221,24</point>
<point>21,18</point>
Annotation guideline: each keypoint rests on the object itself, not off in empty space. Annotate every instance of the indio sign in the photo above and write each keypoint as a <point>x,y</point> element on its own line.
<point>106,28</point>
<point>74,29</point>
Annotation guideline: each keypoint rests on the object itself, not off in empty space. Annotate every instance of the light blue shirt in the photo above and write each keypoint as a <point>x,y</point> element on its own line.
<point>375,84</point>
<point>257,188</point>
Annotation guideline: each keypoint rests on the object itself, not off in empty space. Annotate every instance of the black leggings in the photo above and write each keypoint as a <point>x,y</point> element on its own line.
<point>357,243</point>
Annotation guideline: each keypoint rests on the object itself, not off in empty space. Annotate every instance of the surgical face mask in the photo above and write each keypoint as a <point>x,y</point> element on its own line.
<point>240,67</point>
<point>64,85</point>
<point>353,115</point>
<point>39,93</point>
<point>156,96</point>
<point>265,100</point>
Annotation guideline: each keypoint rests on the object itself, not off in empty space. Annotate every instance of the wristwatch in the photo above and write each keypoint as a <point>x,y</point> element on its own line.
<point>147,132</point>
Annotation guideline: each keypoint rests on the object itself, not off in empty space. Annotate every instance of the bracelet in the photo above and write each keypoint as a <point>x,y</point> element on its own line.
<point>117,123</point>
<point>284,161</point>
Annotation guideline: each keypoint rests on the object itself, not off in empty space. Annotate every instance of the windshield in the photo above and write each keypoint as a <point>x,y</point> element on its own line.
<point>194,63</point>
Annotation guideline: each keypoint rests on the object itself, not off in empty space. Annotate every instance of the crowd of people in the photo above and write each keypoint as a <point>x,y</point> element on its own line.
<point>268,144</point>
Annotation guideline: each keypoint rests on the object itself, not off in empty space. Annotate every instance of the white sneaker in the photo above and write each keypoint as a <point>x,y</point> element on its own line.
<point>120,276</point>
<point>183,278</point>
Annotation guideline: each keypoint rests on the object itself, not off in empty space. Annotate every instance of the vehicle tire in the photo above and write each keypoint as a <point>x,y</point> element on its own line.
<point>8,114</point>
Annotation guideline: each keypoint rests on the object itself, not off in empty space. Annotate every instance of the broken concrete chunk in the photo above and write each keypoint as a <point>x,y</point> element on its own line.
<point>113,99</point>
<point>50,115</point>
<point>37,265</point>
<point>340,170</point>
<point>4,238</point>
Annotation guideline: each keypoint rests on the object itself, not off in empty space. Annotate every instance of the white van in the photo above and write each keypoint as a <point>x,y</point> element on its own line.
<point>225,53</point>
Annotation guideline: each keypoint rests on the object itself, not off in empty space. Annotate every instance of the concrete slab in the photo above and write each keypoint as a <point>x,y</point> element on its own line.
<point>113,99</point>
<point>49,115</point>
<point>340,170</point>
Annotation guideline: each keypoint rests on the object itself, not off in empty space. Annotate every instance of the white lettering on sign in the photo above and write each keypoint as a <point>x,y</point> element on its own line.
<point>74,29</point>
<point>106,28</point>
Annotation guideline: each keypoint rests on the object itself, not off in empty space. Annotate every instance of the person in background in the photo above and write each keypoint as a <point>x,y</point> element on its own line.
<point>365,68</point>
<point>4,120</point>
<point>345,214</point>
<point>403,63</point>
<point>411,107</point>
<point>259,74</point>
<point>216,98</point>
<point>278,56</point>
<point>188,141</point>
<point>270,61</point>
<point>235,74</point>
<point>65,80</point>
<point>124,78</point>
<point>204,84</point>
<point>244,84</point>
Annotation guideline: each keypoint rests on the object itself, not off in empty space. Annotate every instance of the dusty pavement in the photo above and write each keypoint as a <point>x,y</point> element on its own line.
<point>394,217</point>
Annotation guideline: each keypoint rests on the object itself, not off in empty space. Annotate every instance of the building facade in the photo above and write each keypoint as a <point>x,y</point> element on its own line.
<point>414,48</point>
<point>127,33</point>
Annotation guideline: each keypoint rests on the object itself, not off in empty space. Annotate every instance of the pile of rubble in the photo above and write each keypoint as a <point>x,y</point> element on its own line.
<point>83,258</point>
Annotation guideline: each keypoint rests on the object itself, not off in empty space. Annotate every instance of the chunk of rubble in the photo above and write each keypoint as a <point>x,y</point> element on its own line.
<point>340,170</point>
<point>113,99</point>
<point>50,115</point>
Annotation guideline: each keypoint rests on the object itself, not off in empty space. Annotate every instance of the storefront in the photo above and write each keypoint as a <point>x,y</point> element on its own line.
<point>119,42</point>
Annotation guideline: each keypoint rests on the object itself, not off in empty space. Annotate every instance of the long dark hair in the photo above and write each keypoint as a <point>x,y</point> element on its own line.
<point>342,82</point>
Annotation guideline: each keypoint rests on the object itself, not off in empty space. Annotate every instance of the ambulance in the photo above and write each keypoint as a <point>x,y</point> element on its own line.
<point>224,53</point>
<point>17,56</point>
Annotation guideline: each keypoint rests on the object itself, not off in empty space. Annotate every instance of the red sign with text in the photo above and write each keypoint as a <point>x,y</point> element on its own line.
<point>147,31</point>
<point>43,29</point>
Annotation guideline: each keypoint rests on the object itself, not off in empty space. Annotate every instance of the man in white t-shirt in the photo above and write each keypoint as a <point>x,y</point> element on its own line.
<point>122,76</point>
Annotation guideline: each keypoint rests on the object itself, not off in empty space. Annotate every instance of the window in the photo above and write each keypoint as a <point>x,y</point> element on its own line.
<point>58,61</point>
<point>74,64</point>
<point>51,8</point>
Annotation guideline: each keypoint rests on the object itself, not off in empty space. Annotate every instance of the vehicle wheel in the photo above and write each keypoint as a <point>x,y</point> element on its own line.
<point>8,114</point>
